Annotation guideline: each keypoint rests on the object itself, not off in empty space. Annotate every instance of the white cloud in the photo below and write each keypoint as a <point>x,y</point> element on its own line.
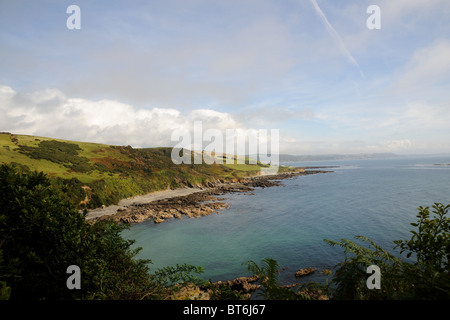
<point>289,139</point>
<point>114,122</point>
<point>51,113</point>
<point>397,144</point>
<point>105,121</point>
<point>427,70</point>
<point>428,120</point>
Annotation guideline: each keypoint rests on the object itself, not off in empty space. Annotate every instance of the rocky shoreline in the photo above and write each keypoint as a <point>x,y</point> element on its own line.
<point>202,202</point>
<point>246,286</point>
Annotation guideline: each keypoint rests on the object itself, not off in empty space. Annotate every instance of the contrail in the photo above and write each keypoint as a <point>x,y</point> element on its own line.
<point>336,36</point>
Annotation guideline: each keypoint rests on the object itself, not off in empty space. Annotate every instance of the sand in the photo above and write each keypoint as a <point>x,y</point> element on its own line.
<point>142,199</point>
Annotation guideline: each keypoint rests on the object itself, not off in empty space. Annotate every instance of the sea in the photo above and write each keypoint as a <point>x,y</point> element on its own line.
<point>376,198</point>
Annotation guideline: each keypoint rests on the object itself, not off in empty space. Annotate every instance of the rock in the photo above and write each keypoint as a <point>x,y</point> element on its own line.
<point>188,292</point>
<point>196,204</point>
<point>242,285</point>
<point>177,215</point>
<point>304,272</point>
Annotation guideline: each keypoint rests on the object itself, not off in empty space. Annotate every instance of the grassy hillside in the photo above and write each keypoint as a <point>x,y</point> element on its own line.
<point>101,174</point>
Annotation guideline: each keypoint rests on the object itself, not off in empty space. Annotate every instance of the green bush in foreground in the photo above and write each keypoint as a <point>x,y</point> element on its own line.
<point>42,234</point>
<point>426,278</point>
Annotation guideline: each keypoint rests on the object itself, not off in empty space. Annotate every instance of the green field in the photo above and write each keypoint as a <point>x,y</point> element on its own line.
<point>10,153</point>
<point>106,173</point>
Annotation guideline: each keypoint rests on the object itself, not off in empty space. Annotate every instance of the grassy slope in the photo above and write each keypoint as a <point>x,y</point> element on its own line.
<point>111,172</point>
<point>9,152</point>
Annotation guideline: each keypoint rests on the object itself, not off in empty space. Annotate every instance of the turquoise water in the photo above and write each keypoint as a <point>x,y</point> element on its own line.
<point>374,198</point>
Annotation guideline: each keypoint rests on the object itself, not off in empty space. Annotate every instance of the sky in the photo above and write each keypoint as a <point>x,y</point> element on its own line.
<point>138,70</point>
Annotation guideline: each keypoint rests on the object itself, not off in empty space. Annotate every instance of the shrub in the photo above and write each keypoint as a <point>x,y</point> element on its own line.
<point>426,278</point>
<point>59,152</point>
<point>42,233</point>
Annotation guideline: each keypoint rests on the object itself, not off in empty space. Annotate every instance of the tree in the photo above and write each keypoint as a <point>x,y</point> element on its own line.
<point>431,242</point>
<point>42,233</point>
<point>430,245</point>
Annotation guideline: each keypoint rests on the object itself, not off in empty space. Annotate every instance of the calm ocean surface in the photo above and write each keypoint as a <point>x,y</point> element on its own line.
<point>374,198</point>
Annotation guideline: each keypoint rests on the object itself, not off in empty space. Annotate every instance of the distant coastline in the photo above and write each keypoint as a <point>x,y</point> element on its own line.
<point>286,158</point>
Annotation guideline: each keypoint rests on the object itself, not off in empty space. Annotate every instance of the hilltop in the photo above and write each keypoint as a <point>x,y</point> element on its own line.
<point>94,174</point>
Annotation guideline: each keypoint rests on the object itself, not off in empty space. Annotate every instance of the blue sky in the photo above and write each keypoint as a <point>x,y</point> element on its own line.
<point>137,70</point>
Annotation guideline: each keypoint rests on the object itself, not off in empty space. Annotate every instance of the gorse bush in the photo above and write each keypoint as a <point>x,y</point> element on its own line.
<point>59,152</point>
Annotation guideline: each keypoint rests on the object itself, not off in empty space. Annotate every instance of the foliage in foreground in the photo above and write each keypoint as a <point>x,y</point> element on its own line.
<point>42,233</point>
<point>268,272</point>
<point>425,278</point>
